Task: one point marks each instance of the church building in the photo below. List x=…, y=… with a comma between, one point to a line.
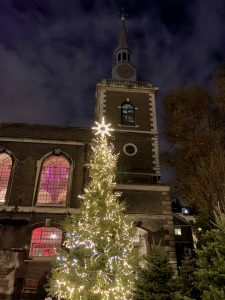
x=43, y=171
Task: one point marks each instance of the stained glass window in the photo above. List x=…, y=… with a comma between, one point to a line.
x=45, y=240
x=127, y=114
x=54, y=179
x=5, y=171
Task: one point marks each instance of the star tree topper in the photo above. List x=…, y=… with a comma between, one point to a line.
x=102, y=129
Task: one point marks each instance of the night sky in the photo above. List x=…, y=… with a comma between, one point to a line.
x=52, y=52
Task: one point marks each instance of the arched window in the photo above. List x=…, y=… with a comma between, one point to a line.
x=5, y=171
x=54, y=181
x=127, y=114
x=45, y=240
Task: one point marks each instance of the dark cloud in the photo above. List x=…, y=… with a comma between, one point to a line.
x=176, y=16
x=53, y=52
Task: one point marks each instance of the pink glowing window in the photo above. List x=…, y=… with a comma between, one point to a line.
x=54, y=181
x=45, y=240
x=5, y=171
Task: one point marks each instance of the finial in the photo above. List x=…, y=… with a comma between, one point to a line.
x=122, y=14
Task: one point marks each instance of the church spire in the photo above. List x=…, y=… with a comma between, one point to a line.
x=123, y=69
x=122, y=41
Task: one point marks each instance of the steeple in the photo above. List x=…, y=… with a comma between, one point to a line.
x=123, y=69
x=122, y=41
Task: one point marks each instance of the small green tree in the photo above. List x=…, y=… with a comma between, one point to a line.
x=186, y=280
x=99, y=256
x=210, y=261
x=154, y=280
x=201, y=225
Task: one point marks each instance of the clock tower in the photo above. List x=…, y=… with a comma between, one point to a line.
x=123, y=69
x=129, y=106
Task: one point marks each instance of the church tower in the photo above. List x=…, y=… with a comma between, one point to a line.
x=129, y=106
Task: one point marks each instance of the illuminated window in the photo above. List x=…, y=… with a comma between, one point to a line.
x=127, y=114
x=45, y=240
x=5, y=171
x=177, y=231
x=54, y=180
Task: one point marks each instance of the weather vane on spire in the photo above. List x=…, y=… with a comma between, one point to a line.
x=122, y=14
x=102, y=129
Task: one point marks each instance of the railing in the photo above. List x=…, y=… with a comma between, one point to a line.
x=136, y=178
x=127, y=83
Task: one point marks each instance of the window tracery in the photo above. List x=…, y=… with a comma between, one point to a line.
x=44, y=241
x=127, y=114
x=54, y=181
x=5, y=172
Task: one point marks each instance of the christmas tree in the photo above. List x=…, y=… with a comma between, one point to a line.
x=99, y=255
x=186, y=281
x=155, y=279
x=210, y=261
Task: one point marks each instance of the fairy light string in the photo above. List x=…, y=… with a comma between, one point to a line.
x=98, y=257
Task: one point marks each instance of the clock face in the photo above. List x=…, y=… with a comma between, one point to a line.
x=125, y=71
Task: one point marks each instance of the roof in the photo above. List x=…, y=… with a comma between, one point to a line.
x=41, y=131
x=122, y=42
x=180, y=220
